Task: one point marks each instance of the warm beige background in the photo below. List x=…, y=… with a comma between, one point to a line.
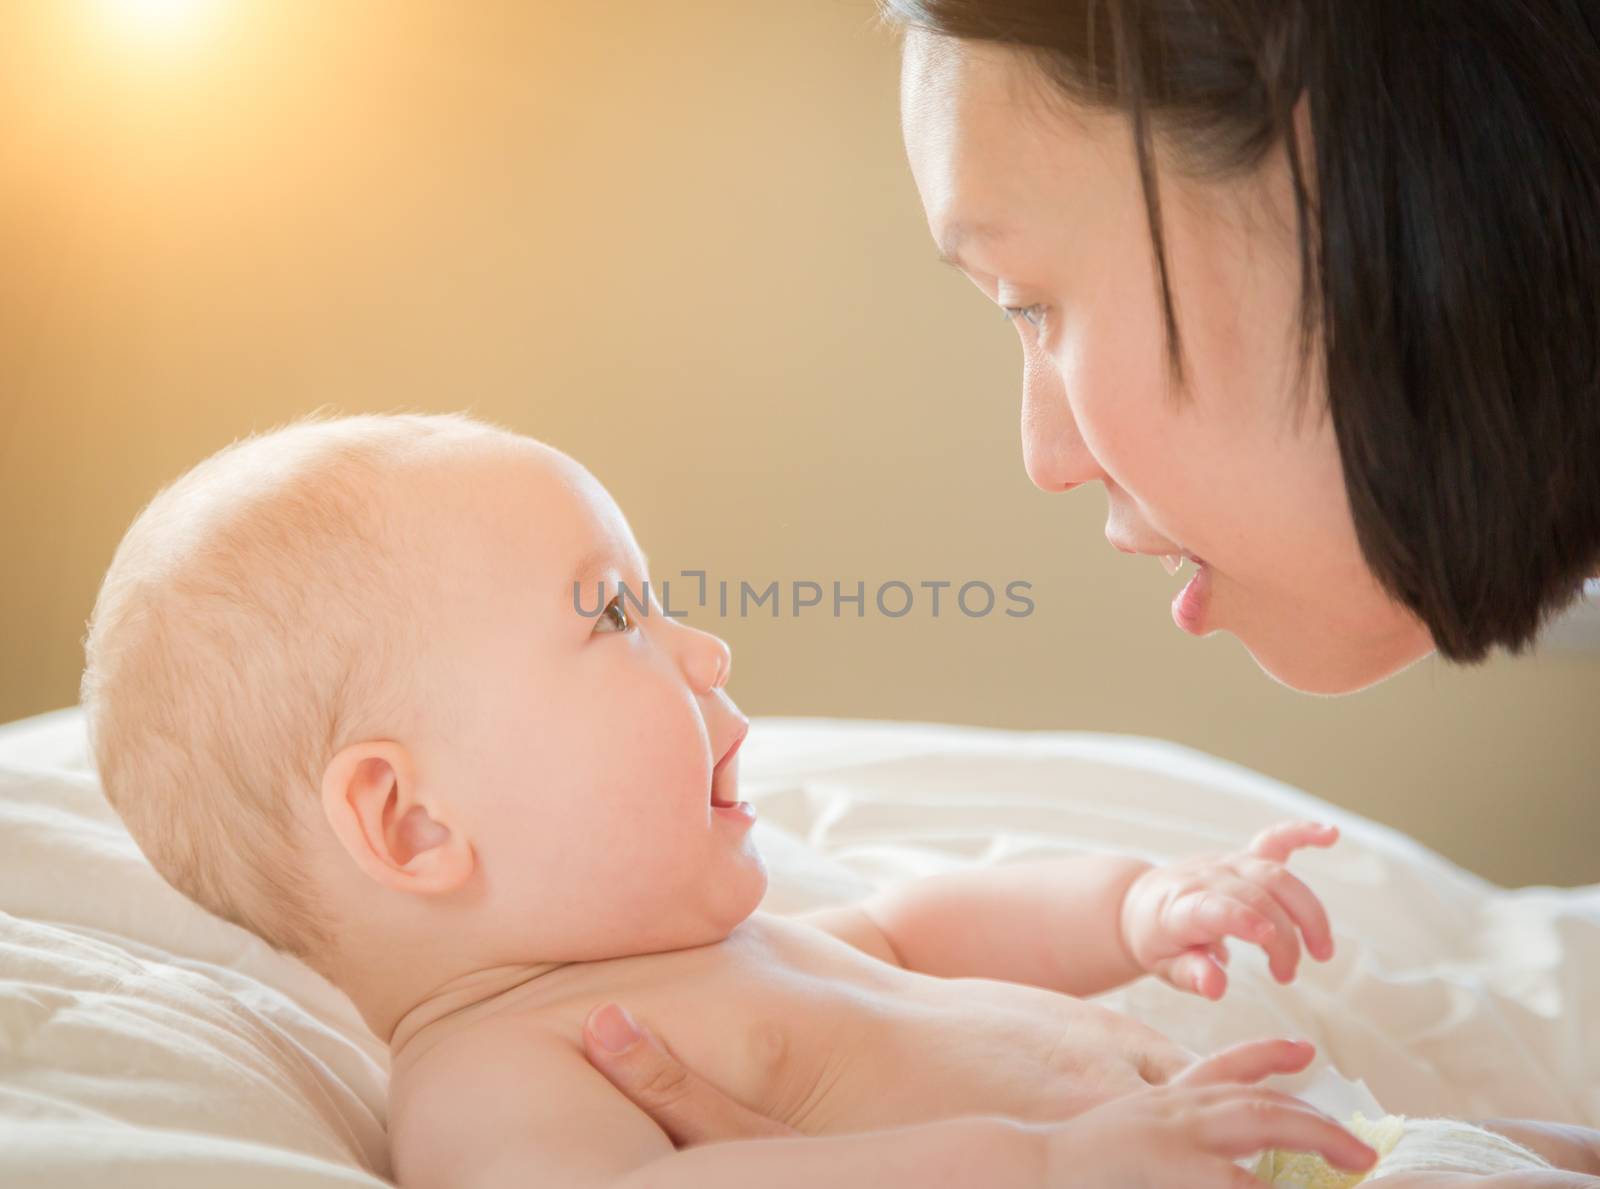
x=679, y=241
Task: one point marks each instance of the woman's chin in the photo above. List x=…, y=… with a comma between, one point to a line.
x=1330, y=663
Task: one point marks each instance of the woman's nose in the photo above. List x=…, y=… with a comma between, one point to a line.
x=1053, y=453
x=706, y=659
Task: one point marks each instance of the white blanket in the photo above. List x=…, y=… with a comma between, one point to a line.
x=138, y=1034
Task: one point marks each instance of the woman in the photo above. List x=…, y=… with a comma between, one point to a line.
x=1327, y=322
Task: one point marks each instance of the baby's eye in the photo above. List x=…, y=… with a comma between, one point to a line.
x=614, y=618
x=1033, y=315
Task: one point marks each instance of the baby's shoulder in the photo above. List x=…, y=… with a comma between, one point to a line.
x=451, y=1047
x=502, y=1092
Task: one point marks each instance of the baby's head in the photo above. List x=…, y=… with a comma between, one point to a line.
x=341, y=689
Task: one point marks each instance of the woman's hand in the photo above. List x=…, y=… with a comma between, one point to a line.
x=1193, y=1130
x=1189, y=1131
x=1174, y=918
x=690, y=1110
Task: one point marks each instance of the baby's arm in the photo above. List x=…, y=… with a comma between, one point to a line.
x=1052, y=923
x=506, y=1104
x=1084, y=925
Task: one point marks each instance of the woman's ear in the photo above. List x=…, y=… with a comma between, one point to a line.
x=398, y=837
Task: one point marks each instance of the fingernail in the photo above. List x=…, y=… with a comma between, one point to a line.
x=614, y=1029
x=1367, y=1161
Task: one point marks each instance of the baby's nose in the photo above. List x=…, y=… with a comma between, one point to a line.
x=709, y=662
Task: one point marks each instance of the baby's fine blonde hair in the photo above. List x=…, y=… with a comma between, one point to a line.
x=258, y=615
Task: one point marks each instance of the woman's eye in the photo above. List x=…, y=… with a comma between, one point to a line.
x=614, y=618
x=1033, y=315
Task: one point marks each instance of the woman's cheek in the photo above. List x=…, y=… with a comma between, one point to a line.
x=1096, y=413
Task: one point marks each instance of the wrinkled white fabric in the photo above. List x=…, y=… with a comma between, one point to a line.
x=1449, y=1145
x=1404, y=1144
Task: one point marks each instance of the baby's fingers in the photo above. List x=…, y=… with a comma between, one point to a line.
x=1282, y=840
x=1204, y=917
x=1299, y=901
x=1197, y=970
x=1279, y=938
x=1256, y=1120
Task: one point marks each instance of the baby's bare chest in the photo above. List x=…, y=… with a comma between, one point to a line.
x=810, y=1032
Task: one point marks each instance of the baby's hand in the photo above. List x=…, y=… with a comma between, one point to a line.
x=1174, y=918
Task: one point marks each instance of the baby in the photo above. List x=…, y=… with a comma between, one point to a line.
x=349, y=684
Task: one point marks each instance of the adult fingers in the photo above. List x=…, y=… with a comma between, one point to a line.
x=688, y=1108
x=1258, y=1120
x=1249, y=1062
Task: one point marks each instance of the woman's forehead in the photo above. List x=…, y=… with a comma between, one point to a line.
x=977, y=86
x=991, y=156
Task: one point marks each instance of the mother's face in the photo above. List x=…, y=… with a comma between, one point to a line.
x=1041, y=207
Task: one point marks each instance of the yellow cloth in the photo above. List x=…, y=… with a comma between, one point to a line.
x=1305, y=1170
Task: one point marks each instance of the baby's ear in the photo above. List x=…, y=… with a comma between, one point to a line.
x=398, y=837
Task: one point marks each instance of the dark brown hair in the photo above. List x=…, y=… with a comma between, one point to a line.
x=1449, y=232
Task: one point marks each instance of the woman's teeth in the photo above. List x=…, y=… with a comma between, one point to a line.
x=1173, y=562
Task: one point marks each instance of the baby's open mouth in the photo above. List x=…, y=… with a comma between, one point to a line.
x=725, y=776
x=724, y=785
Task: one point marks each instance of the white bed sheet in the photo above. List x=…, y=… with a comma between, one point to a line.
x=138, y=1034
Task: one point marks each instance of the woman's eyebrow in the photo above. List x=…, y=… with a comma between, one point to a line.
x=960, y=231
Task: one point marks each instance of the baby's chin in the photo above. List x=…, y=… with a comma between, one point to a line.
x=714, y=912
x=665, y=926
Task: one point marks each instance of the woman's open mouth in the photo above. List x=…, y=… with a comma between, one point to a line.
x=1190, y=605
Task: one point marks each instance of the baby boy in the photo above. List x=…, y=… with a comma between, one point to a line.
x=343, y=690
